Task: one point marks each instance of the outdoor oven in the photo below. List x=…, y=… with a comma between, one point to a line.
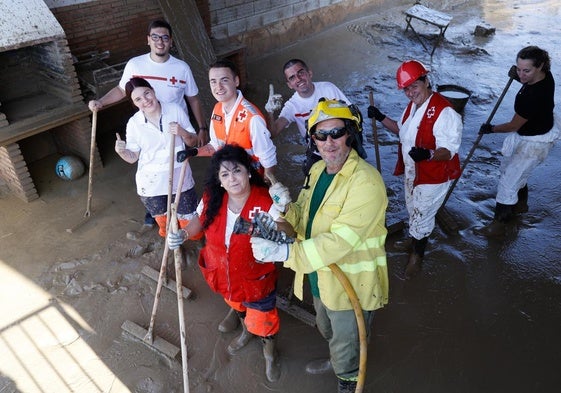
x=42, y=111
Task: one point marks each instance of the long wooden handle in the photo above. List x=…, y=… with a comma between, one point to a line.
x=92, y=161
x=375, y=134
x=476, y=143
x=178, y=261
x=162, y=276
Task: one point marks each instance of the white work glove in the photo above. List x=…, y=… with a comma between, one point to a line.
x=280, y=195
x=176, y=239
x=274, y=102
x=120, y=145
x=268, y=251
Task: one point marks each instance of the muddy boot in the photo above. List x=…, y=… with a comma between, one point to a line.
x=346, y=386
x=415, y=262
x=522, y=204
x=137, y=251
x=240, y=341
x=503, y=213
x=494, y=229
x=320, y=366
x=403, y=245
x=230, y=322
x=136, y=235
x=272, y=367
x=414, y=265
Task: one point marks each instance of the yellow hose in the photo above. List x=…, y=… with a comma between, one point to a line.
x=359, y=321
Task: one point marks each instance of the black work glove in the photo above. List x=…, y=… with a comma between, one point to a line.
x=375, y=113
x=486, y=128
x=185, y=154
x=512, y=73
x=419, y=154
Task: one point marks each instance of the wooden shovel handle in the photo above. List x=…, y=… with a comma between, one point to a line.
x=375, y=134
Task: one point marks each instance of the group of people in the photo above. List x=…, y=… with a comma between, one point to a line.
x=339, y=215
x=430, y=132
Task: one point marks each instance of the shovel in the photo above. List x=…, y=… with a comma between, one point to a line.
x=375, y=134
x=442, y=216
x=87, y=213
x=399, y=225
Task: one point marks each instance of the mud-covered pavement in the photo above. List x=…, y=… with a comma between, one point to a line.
x=483, y=316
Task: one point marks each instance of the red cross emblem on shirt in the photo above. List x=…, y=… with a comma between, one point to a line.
x=242, y=115
x=430, y=112
x=254, y=211
x=173, y=80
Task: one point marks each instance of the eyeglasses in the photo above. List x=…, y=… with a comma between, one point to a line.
x=334, y=133
x=156, y=37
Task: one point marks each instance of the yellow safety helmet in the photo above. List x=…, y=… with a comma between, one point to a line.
x=332, y=109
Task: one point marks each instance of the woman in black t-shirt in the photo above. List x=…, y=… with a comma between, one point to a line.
x=532, y=133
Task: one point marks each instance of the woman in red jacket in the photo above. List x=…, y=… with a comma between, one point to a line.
x=234, y=189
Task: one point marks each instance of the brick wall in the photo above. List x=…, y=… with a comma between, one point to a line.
x=233, y=17
x=56, y=70
x=262, y=25
x=115, y=25
x=267, y=25
x=14, y=173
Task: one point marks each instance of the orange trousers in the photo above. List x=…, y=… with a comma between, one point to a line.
x=259, y=323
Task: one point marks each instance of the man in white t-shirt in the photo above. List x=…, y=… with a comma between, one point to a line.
x=170, y=77
x=298, y=108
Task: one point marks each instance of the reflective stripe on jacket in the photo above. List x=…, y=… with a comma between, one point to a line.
x=349, y=230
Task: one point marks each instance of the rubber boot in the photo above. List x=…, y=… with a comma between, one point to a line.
x=272, y=367
x=320, y=366
x=230, y=322
x=493, y=229
x=403, y=245
x=415, y=262
x=149, y=223
x=522, y=204
x=346, y=386
x=497, y=227
x=240, y=341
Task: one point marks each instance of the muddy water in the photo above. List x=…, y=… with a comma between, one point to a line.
x=483, y=316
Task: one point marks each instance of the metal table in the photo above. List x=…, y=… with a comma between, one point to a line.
x=430, y=16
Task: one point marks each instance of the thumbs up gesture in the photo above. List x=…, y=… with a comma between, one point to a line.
x=120, y=145
x=274, y=102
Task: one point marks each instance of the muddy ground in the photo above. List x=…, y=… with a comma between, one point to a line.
x=483, y=316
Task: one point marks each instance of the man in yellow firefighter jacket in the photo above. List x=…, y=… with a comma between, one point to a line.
x=339, y=218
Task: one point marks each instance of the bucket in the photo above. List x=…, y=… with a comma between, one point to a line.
x=457, y=95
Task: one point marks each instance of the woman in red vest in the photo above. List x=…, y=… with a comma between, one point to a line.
x=430, y=132
x=235, y=189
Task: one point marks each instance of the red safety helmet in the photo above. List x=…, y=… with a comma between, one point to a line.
x=409, y=72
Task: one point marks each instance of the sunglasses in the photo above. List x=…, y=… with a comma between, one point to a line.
x=156, y=37
x=334, y=133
